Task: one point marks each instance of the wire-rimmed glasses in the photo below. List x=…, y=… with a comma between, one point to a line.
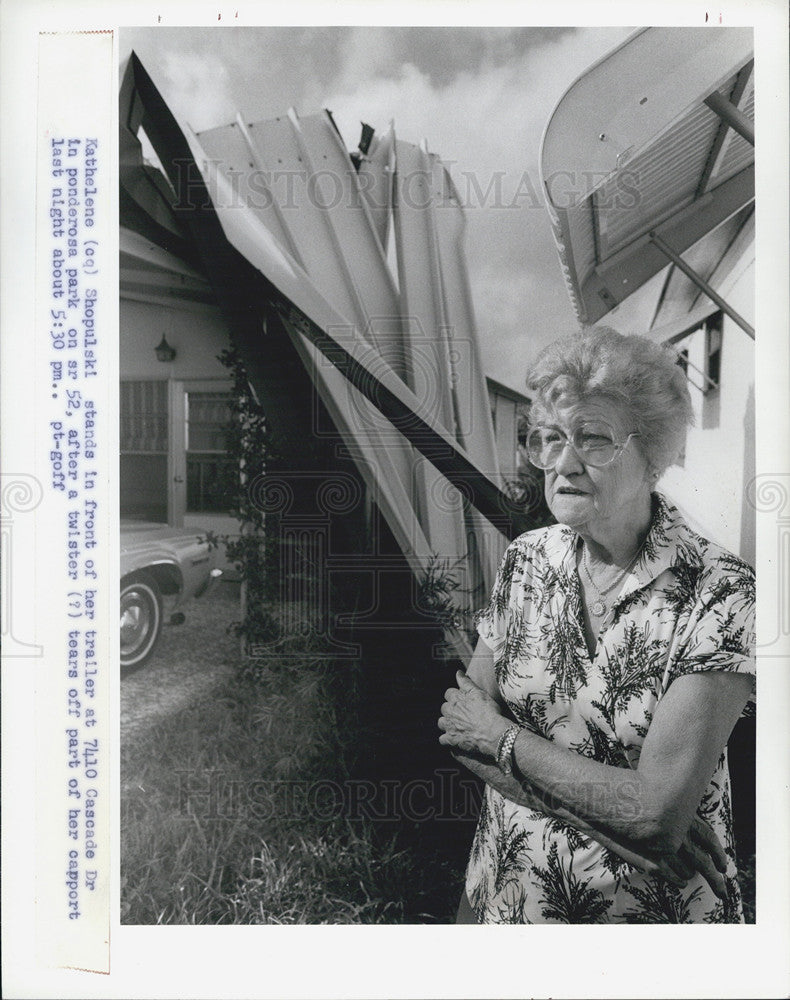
x=594, y=442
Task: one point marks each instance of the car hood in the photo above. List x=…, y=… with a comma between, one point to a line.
x=147, y=530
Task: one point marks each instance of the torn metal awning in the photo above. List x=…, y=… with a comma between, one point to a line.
x=146, y=269
x=288, y=196
x=291, y=240
x=640, y=161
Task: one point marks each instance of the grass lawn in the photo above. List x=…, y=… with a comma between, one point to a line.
x=219, y=825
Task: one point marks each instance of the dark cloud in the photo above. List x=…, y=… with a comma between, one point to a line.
x=279, y=60
x=442, y=53
x=268, y=69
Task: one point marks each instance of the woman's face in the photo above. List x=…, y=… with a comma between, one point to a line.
x=597, y=499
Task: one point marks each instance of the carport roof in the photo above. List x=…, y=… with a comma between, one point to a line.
x=633, y=149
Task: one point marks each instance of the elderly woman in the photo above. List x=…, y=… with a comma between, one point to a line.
x=613, y=660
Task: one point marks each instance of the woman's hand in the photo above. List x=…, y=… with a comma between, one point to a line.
x=471, y=719
x=701, y=851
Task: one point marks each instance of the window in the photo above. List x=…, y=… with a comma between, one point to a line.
x=713, y=350
x=143, y=407
x=212, y=476
x=143, y=446
x=703, y=344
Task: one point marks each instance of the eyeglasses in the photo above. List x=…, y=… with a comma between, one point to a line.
x=594, y=442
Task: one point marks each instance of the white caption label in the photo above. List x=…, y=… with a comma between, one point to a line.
x=73, y=341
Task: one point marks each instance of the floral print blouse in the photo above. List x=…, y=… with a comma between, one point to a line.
x=687, y=605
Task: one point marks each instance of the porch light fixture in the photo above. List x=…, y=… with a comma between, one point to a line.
x=164, y=352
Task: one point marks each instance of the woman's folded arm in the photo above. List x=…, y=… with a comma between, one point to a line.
x=646, y=815
x=699, y=851
x=652, y=806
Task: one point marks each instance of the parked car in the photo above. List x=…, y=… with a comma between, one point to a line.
x=158, y=561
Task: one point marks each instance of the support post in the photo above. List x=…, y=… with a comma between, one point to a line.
x=732, y=115
x=700, y=282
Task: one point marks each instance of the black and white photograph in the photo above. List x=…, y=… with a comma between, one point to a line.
x=430, y=597
x=413, y=386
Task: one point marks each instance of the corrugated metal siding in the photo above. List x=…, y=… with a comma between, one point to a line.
x=661, y=180
x=666, y=176
x=427, y=327
x=297, y=178
x=467, y=381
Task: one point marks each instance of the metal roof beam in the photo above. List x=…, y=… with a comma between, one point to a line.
x=724, y=135
x=700, y=282
x=732, y=115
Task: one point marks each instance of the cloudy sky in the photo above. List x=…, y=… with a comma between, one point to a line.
x=479, y=96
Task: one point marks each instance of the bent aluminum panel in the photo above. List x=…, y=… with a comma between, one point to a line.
x=468, y=385
x=427, y=327
x=353, y=237
x=249, y=176
x=471, y=400
x=423, y=490
x=371, y=428
x=376, y=173
x=289, y=291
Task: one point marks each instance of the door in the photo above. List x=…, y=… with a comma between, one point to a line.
x=175, y=465
x=205, y=474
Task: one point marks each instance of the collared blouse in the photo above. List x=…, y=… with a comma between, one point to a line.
x=687, y=605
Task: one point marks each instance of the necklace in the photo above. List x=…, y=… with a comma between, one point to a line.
x=599, y=606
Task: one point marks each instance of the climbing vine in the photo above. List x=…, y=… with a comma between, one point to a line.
x=252, y=550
